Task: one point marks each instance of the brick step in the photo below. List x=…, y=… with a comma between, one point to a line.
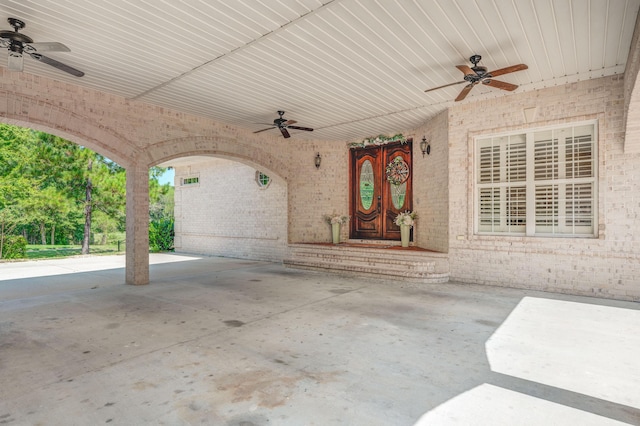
x=410, y=265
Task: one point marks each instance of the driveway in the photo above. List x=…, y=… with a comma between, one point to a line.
x=223, y=341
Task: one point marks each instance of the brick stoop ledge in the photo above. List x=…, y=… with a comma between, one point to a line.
x=376, y=260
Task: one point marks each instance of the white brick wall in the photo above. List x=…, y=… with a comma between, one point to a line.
x=137, y=134
x=314, y=193
x=430, y=185
x=228, y=214
x=606, y=266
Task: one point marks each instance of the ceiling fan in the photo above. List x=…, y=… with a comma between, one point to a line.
x=17, y=44
x=478, y=74
x=283, y=125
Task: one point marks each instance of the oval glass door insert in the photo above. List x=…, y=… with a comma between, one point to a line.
x=398, y=193
x=366, y=184
x=399, y=190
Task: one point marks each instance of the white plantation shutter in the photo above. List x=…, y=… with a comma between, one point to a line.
x=546, y=158
x=489, y=209
x=516, y=208
x=489, y=164
x=516, y=161
x=579, y=208
x=579, y=157
x=546, y=208
x=502, y=169
x=560, y=187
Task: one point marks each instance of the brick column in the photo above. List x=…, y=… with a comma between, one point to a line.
x=137, y=257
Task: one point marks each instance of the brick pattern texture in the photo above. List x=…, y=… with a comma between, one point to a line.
x=139, y=135
x=228, y=214
x=607, y=266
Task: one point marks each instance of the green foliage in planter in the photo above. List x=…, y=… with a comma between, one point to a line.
x=161, y=235
x=14, y=247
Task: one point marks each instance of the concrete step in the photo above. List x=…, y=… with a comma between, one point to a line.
x=378, y=260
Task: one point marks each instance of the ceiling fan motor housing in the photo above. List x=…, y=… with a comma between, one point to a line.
x=16, y=23
x=279, y=122
x=475, y=59
x=480, y=71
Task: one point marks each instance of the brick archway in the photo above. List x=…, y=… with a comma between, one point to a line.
x=45, y=116
x=135, y=135
x=243, y=151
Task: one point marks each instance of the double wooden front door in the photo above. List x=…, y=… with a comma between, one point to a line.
x=375, y=201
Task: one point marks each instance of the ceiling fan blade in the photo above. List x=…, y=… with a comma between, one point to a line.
x=465, y=91
x=284, y=132
x=465, y=69
x=50, y=46
x=15, y=62
x=56, y=64
x=446, y=85
x=506, y=70
x=268, y=128
x=286, y=123
x=500, y=84
x=306, y=129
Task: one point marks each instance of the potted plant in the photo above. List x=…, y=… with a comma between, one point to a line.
x=335, y=220
x=405, y=221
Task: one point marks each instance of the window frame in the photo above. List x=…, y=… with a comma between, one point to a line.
x=259, y=180
x=533, y=183
x=190, y=181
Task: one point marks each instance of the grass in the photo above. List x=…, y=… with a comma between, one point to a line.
x=49, y=251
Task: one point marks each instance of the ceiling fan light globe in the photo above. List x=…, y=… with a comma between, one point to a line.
x=15, y=62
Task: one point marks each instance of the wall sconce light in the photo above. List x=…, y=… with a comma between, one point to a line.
x=318, y=160
x=425, y=146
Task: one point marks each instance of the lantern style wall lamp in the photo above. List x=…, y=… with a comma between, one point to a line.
x=425, y=146
x=318, y=160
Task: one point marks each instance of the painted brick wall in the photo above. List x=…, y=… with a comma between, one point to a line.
x=431, y=185
x=314, y=193
x=134, y=133
x=631, y=96
x=606, y=266
x=228, y=214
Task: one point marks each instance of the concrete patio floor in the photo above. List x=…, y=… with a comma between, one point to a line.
x=221, y=341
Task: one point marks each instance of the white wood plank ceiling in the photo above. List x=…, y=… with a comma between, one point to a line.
x=348, y=68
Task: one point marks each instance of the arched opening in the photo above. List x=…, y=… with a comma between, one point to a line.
x=59, y=196
x=125, y=133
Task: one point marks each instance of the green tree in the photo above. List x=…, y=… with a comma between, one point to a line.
x=47, y=183
x=51, y=188
x=14, y=194
x=161, y=200
x=15, y=188
x=91, y=181
x=161, y=205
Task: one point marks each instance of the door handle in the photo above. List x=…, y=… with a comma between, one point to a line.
x=379, y=204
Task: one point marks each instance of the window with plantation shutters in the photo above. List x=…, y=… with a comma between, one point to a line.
x=538, y=183
x=502, y=173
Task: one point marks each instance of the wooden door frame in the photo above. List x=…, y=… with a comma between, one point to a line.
x=387, y=226
x=354, y=196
